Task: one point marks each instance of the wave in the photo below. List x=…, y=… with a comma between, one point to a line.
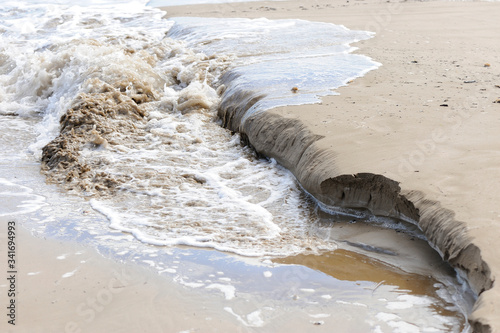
x=127, y=106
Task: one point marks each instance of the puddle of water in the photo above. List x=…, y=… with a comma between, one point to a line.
x=385, y=293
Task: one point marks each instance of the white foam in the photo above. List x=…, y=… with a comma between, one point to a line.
x=278, y=55
x=193, y=284
x=403, y=327
x=48, y=65
x=253, y=319
x=228, y=200
x=408, y=301
x=17, y=199
x=87, y=3
x=228, y=290
x=69, y=274
x=320, y=315
x=351, y=303
x=307, y=290
x=384, y=316
x=151, y=263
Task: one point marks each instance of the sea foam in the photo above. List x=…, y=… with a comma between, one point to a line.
x=290, y=62
x=127, y=100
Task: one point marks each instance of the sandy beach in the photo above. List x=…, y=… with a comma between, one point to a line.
x=426, y=119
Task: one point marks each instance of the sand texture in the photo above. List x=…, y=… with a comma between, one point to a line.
x=416, y=138
x=68, y=287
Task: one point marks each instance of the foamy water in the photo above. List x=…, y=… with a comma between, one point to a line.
x=140, y=137
x=289, y=62
x=120, y=106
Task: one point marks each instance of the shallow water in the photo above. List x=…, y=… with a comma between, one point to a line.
x=122, y=116
x=127, y=104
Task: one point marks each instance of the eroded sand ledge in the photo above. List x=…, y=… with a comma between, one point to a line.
x=294, y=146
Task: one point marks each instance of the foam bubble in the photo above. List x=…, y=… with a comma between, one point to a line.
x=228, y=290
x=253, y=319
x=320, y=315
x=408, y=301
x=307, y=290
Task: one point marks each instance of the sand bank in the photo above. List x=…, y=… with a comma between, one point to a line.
x=417, y=138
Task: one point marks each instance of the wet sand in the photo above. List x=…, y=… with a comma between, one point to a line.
x=67, y=287
x=426, y=118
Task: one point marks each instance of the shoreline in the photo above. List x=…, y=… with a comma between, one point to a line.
x=438, y=74
x=64, y=286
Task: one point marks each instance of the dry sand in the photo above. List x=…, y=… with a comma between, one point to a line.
x=426, y=119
